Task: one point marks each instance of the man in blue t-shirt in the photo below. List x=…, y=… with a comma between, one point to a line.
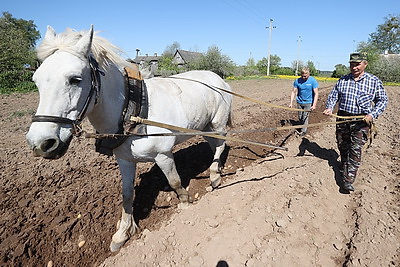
x=306, y=89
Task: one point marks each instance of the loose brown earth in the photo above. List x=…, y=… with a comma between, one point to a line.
x=273, y=209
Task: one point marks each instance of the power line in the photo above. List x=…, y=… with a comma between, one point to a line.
x=240, y=11
x=249, y=7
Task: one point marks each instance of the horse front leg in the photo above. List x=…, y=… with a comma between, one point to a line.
x=167, y=164
x=127, y=226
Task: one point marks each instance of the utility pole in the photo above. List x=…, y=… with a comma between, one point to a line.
x=298, y=55
x=269, y=44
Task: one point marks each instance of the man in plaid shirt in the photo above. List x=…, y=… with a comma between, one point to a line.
x=358, y=93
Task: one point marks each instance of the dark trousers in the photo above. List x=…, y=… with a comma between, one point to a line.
x=351, y=137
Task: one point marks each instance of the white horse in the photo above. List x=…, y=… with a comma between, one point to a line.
x=72, y=86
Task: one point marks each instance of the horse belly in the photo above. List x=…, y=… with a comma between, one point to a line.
x=144, y=149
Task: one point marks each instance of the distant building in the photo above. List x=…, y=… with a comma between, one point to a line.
x=150, y=63
x=388, y=56
x=325, y=73
x=146, y=61
x=183, y=57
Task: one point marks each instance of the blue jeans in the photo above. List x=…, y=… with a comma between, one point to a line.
x=303, y=116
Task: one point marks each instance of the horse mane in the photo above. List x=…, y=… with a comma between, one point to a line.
x=103, y=51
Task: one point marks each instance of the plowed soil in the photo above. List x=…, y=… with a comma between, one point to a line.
x=274, y=208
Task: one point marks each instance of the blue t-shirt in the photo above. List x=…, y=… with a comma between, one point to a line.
x=305, y=90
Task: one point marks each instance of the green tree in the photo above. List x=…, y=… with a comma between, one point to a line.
x=387, y=69
x=372, y=53
x=250, y=68
x=312, y=68
x=284, y=71
x=385, y=39
x=340, y=70
x=387, y=35
x=274, y=64
x=251, y=63
x=215, y=61
x=166, y=66
x=28, y=27
x=262, y=65
x=297, y=65
x=17, y=40
x=171, y=49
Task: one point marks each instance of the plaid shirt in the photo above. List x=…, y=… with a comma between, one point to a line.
x=356, y=97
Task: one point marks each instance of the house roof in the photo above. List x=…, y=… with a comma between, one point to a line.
x=187, y=56
x=391, y=56
x=146, y=58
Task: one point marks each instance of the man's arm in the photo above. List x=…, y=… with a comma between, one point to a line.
x=381, y=100
x=314, y=104
x=292, y=96
x=331, y=101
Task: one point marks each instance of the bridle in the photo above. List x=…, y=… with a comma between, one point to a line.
x=95, y=73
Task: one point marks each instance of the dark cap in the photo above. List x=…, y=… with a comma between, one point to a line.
x=357, y=57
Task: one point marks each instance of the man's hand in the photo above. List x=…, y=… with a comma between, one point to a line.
x=328, y=112
x=368, y=119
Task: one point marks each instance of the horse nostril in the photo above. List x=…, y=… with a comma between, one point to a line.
x=48, y=144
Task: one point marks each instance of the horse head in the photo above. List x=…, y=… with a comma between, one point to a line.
x=66, y=86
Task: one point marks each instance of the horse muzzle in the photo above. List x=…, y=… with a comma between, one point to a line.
x=44, y=140
x=49, y=148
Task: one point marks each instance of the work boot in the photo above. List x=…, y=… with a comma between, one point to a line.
x=348, y=186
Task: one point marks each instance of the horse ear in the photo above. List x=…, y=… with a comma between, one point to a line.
x=50, y=33
x=84, y=44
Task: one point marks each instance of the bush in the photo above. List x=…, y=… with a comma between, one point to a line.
x=214, y=61
x=340, y=70
x=16, y=81
x=284, y=71
x=387, y=69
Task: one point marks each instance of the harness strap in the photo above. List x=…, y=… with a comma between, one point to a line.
x=181, y=129
x=54, y=119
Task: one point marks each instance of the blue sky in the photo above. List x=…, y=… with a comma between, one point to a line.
x=328, y=30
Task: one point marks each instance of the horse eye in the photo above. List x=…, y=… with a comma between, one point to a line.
x=75, y=80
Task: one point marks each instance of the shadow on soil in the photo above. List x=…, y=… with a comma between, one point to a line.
x=329, y=155
x=191, y=163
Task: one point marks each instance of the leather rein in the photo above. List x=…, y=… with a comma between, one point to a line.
x=95, y=73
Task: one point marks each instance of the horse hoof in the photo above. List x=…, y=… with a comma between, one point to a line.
x=183, y=205
x=185, y=198
x=116, y=246
x=216, y=183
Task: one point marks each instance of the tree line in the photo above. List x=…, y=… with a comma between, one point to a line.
x=213, y=59
x=18, y=60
